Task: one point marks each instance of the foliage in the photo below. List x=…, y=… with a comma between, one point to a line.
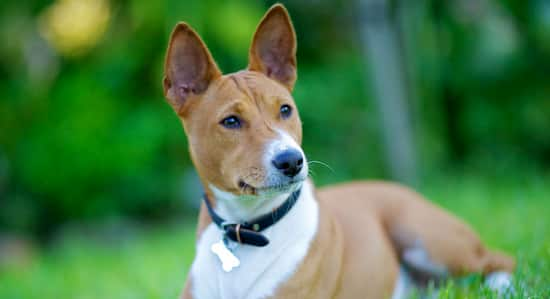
x=85, y=134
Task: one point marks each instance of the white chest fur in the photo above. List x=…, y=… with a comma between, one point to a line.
x=262, y=269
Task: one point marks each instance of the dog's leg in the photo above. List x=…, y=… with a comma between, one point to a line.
x=435, y=243
x=204, y=221
x=187, y=290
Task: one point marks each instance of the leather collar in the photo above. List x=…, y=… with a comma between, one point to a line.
x=249, y=232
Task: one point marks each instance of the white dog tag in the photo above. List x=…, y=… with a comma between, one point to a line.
x=227, y=258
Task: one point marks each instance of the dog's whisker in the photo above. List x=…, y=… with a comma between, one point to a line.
x=322, y=164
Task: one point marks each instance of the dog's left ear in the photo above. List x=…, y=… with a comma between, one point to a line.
x=273, y=50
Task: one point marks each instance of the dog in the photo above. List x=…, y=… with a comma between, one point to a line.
x=263, y=230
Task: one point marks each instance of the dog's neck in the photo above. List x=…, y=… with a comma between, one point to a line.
x=234, y=208
x=262, y=269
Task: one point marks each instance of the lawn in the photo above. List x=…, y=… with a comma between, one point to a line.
x=511, y=214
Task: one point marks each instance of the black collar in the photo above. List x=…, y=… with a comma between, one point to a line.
x=249, y=232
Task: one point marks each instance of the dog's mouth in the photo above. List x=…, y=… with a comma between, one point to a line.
x=289, y=186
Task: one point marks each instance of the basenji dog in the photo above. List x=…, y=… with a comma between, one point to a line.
x=264, y=231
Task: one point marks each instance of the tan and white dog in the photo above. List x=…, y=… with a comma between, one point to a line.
x=355, y=240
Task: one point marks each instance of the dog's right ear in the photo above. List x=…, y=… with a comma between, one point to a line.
x=189, y=68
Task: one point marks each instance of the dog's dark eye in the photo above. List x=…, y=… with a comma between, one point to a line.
x=231, y=122
x=286, y=111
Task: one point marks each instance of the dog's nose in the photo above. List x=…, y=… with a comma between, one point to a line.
x=289, y=162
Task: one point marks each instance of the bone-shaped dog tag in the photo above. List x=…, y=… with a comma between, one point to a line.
x=227, y=258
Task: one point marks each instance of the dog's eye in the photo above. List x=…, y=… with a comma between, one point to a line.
x=231, y=122
x=286, y=111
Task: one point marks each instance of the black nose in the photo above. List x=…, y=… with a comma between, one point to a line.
x=289, y=162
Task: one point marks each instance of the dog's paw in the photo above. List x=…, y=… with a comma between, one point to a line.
x=500, y=282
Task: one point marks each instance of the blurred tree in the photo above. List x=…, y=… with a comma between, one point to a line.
x=85, y=135
x=385, y=58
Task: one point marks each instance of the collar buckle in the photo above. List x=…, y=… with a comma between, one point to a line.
x=248, y=232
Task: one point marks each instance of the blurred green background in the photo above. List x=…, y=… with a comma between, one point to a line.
x=96, y=185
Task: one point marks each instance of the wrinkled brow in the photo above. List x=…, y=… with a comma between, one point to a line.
x=234, y=106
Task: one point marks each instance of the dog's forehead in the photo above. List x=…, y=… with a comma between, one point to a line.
x=248, y=86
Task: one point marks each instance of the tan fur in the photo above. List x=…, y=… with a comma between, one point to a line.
x=367, y=234
x=364, y=227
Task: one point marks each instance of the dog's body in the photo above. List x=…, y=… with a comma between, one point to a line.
x=346, y=241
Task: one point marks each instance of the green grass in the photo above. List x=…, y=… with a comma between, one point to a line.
x=151, y=264
x=510, y=214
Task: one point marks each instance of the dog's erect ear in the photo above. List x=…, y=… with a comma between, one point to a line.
x=273, y=50
x=189, y=67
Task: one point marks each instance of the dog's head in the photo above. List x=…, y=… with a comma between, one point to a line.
x=243, y=128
